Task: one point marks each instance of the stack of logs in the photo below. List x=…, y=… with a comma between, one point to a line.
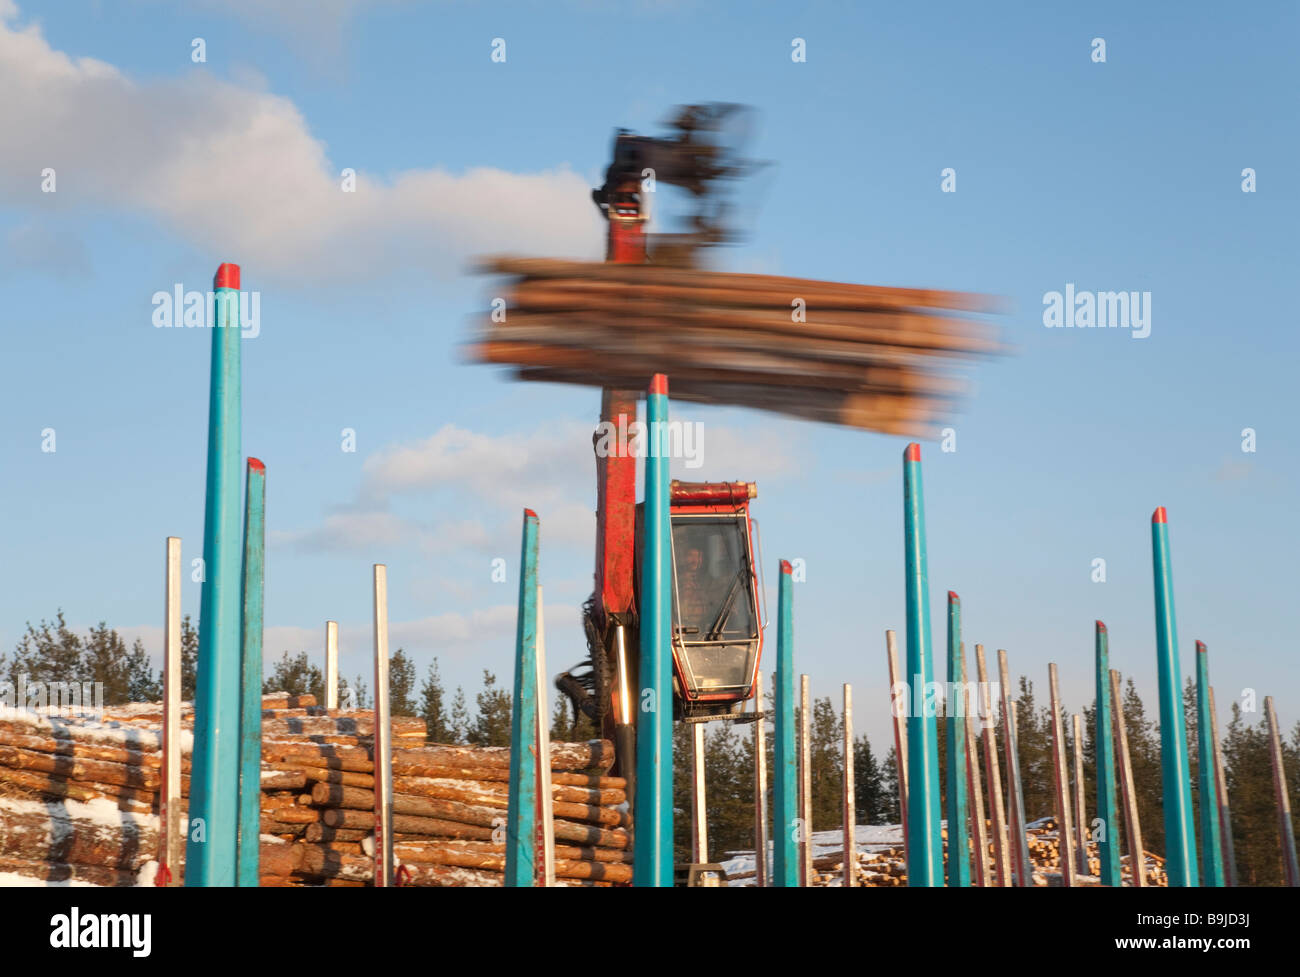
x=886, y=866
x=1044, y=852
x=79, y=800
x=861, y=355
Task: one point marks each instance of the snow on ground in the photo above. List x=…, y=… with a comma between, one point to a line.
x=10, y=879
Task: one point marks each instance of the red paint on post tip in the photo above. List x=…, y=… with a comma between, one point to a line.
x=1159, y=515
x=529, y=514
x=255, y=465
x=912, y=452
x=659, y=384
x=785, y=567
x=1200, y=648
x=1101, y=626
x=952, y=595
x=227, y=276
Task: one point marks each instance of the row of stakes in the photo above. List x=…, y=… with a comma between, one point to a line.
x=222, y=835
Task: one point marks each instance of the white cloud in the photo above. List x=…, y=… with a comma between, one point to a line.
x=238, y=173
x=550, y=470
x=348, y=531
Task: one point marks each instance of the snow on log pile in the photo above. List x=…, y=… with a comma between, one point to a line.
x=79, y=800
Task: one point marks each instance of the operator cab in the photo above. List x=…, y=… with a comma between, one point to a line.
x=717, y=635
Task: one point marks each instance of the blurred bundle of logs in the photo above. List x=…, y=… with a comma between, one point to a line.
x=79, y=800
x=860, y=355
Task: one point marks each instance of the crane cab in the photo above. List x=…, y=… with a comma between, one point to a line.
x=717, y=629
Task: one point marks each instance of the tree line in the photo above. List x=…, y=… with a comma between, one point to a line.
x=51, y=652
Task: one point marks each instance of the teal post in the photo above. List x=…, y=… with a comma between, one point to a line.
x=785, y=807
x=1107, y=809
x=250, y=720
x=653, y=818
x=1211, y=850
x=212, y=832
x=925, y=841
x=955, y=729
x=521, y=808
x=1180, y=835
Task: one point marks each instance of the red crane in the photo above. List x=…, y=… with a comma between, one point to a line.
x=717, y=633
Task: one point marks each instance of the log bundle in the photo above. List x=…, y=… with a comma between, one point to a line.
x=865, y=356
x=79, y=800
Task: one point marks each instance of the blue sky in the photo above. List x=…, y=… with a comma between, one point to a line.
x=1123, y=175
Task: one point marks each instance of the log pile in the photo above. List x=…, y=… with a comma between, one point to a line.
x=860, y=355
x=885, y=866
x=1045, y=854
x=79, y=800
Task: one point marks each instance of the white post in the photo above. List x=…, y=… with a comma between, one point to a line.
x=545, y=798
x=169, y=804
x=850, y=802
x=900, y=728
x=699, y=811
x=760, y=793
x=1017, y=838
x=974, y=784
x=993, y=774
x=1080, y=831
x=1225, y=812
x=331, y=665
x=1061, y=776
x=383, y=760
x=805, y=784
x=1137, y=857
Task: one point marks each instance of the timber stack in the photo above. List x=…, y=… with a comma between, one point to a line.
x=865, y=356
x=885, y=865
x=79, y=800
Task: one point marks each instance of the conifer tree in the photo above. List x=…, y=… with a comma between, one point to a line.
x=492, y=724
x=432, y=707
x=401, y=684
x=297, y=676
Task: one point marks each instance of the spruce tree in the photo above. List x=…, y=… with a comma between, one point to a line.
x=870, y=800
x=401, y=684
x=459, y=717
x=1249, y=775
x=892, y=813
x=297, y=676
x=492, y=724
x=432, y=707
x=189, y=659
x=826, y=761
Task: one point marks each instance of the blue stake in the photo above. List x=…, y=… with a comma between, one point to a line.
x=212, y=832
x=1212, y=850
x=653, y=821
x=521, y=813
x=250, y=720
x=1180, y=834
x=925, y=841
x=1107, y=809
x=785, y=807
x=958, y=845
